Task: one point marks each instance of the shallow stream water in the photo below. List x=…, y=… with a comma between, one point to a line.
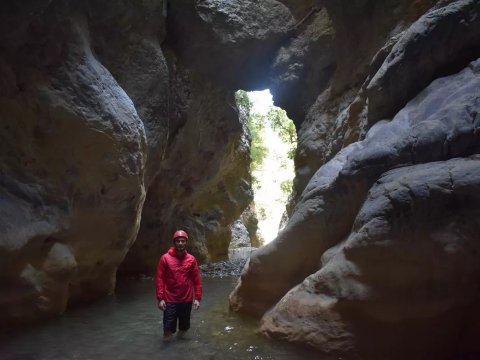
x=129, y=326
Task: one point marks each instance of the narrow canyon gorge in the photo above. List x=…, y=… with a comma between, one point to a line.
x=119, y=125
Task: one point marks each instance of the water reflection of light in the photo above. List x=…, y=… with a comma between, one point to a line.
x=229, y=328
x=130, y=321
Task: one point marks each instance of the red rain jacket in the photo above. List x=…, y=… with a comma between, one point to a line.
x=177, y=277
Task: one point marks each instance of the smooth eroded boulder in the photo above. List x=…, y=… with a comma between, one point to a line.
x=407, y=269
x=72, y=168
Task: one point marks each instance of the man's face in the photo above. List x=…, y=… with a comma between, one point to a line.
x=180, y=244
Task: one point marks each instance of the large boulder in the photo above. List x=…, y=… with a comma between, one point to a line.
x=400, y=285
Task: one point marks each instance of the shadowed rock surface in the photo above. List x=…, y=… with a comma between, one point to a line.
x=364, y=271
x=112, y=137
x=118, y=125
x=72, y=167
x=403, y=273
x=203, y=182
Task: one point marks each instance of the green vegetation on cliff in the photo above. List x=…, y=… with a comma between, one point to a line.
x=273, y=145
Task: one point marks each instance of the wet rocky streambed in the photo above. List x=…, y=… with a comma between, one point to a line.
x=128, y=325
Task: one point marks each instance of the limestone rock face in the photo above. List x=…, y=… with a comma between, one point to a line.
x=116, y=122
x=302, y=9
x=73, y=153
x=126, y=38
x=231, y=42
x=415, y=60
x=101, y=101
x=404, y=272
x=203, y=181
x=244, y=236
x=305, y=65
x=381, y=238
x=250, y=220
x=338, y=115
x=240, y=236
x=118, y=125
x=240, y=245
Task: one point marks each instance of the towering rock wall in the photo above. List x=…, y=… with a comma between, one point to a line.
x=118, y=125
x=73, y=157
x=379, y=257
x=214, y=48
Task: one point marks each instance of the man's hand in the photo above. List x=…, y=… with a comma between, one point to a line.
x=196, y=304
x=162, y=305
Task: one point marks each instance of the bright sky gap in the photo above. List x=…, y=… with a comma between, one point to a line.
x=269, y=198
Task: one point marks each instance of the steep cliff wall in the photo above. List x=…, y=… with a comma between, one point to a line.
x=214, y=48
x=119, y=125
x=382, y=233
x=73, y=160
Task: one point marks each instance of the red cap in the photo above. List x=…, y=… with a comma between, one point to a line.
x=180, y=233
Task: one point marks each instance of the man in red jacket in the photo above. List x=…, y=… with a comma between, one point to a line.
x=178, y=281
